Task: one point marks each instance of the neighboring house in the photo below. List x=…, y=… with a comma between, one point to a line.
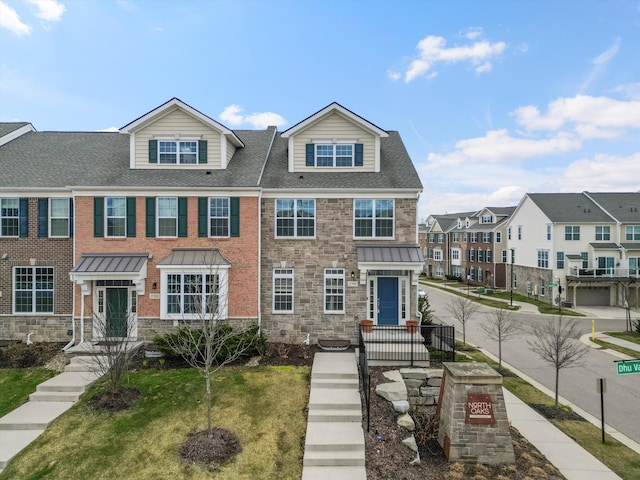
x=583, y=248
x=304, y=231
x=487, y=237
x=437, y=258
x=339, y=228
x=36, y=244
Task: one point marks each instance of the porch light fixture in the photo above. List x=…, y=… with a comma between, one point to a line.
x=154, y=285
x=353, y=274
x=5, y=256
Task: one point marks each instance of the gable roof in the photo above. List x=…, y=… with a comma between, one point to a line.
x=500, y=210
x=396, y=171
x=101, y=159
x=331, y=108
x=569, y=208
x=172, y=105
x=12, y=130
x=623, y=206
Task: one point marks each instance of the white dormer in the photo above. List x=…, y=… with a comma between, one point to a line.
x=334, y=139
x=175, y=135
x=467, y=223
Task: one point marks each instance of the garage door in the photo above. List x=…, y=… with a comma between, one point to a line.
x=594, y=296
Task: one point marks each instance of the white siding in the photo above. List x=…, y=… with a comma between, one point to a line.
x=177, y=122
x=334, y=126
x=534, y=235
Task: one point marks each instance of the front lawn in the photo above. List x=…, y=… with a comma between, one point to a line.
x=263, y=406
x=16, y=384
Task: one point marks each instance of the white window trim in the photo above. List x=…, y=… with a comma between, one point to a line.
x=107, y=217
x=33, y=290
x=209, y=217
x=498, y=237
x=12, y=217
x=132, y=310
x=278, y=274
x=223, y=293
x=437, y=255
x=333, y=144
x=158, y=217
x=178, y=141
x=295, y=219
x=339, y=276
x=51, y=217
x=374, y=219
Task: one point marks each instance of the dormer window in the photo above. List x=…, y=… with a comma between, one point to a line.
x=177, y=152
x=334, y=155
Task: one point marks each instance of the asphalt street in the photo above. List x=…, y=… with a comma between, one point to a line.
x=577, y=384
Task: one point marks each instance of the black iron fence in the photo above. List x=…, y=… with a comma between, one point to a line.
x=414, y=346
x=365, y=376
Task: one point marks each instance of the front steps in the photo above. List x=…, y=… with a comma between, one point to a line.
x=50, y=400
x=334, y=445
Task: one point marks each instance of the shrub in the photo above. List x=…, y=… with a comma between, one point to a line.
x=257, y=344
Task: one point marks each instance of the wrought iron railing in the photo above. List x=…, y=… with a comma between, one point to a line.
x=365, y=376
x=412, y=345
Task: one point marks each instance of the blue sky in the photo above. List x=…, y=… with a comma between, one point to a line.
x=493, y=99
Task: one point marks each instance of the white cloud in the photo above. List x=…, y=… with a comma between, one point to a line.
x=599, y=63
x=232, y=115
x=602, y=173
x=497, y=146
x=49, y=10
x=630, y=90
x=393, y=75
x=10, y=20
x=473, y=33
x=433, y=50
x=600, y=112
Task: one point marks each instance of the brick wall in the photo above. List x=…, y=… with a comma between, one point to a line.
x=241, y=252
x=34, y=251
x=333, y=243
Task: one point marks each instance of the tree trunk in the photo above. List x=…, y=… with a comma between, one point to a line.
x=557, y=378
x=208, y=381
x=499, y=356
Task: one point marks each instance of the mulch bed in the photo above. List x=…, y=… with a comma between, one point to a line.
x=114, y=402
x=211, y=451
x=21, y=355
x=387, y=457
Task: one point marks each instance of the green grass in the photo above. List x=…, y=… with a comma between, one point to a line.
x=461, y=290
x=615, y=455
x=17, y=383
x=263, y=406
x=617, y=348
x=628, y=336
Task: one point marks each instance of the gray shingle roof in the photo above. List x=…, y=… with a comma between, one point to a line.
x=624, y=206
x=396, y=171
x=8, y=127
x=569, y=208
x=88, y=159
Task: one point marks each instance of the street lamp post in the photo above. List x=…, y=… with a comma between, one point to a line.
x=512, y=255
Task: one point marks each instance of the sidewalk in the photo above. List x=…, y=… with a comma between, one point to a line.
x=574, y=462
x=586, y=339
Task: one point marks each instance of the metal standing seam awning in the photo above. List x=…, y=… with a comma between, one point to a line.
x=110, y=266
x=201, y=257
x=389, y=257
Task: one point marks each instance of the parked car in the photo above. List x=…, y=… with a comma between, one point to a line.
x=421, y=292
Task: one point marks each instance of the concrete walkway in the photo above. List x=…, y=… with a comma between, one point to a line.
x=574, y=462
x=50, y=400
x=334, y=444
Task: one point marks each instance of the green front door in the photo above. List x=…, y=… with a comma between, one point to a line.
x=117, y=310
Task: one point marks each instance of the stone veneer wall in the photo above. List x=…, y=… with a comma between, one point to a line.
x=50, y=328
x=309, y=257
x=465, y=442
x=423, y=387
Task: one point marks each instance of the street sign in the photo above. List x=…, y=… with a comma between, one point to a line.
x=551, y=285
x=629, y=366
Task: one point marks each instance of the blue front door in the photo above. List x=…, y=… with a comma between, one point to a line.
x=387, y=301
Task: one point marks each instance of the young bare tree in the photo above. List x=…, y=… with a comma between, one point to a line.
x=556, y=343
x=205, y=339
x=500, y=326
x=113, y=327
x=463, y=310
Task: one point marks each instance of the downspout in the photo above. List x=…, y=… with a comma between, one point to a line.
x=73, y=293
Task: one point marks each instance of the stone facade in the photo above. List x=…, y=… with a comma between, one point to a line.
x=488, y=443
x=332, y=247
x=529, y=279
x=423, y=387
